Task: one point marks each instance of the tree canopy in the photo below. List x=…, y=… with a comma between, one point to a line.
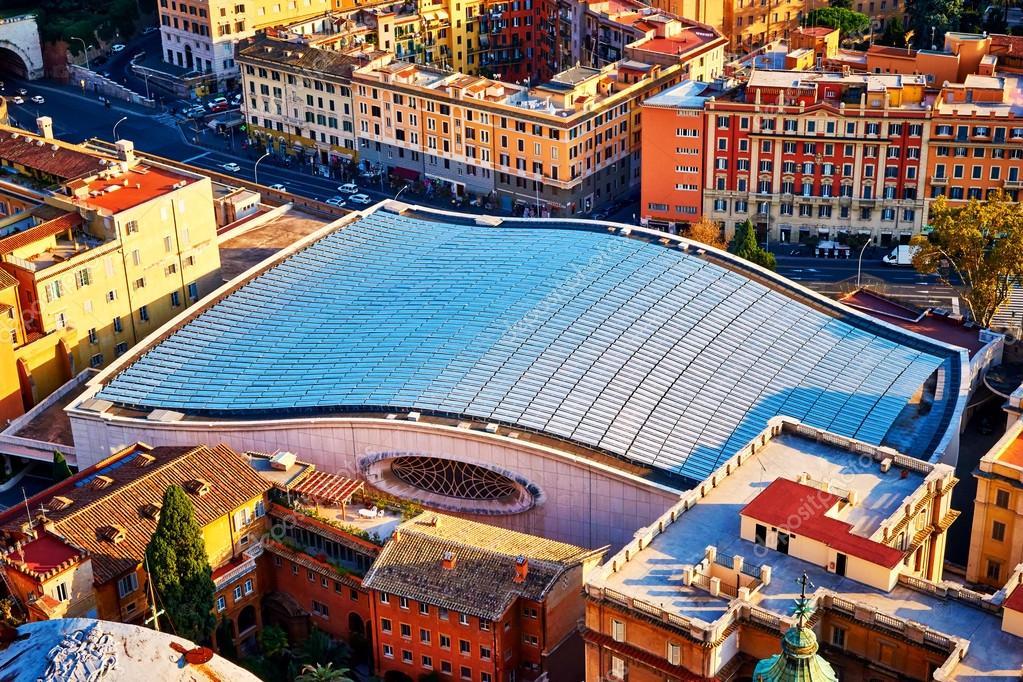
x=849, y=22
x=180, y=569
x=894, y=34
x=939, y=15
x=61, y=470
x=706, y=231
x=744, y=244
x=976, y=249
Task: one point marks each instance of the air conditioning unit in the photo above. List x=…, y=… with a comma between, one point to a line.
x=886, y=465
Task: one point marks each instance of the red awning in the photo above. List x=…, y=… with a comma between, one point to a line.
x=406, y=173
x=329, y=489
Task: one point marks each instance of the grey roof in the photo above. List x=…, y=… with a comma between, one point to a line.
x=626, y=346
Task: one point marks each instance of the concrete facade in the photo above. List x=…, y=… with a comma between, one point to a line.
x=20, y=35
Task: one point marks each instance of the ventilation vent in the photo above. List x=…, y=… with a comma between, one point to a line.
x=112, y=533
x=59, y=502
x=150, y=511
x=101, y=482
x=144, y=459
x=197, y=486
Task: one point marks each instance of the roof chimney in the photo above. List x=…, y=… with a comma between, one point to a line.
x=45, y=126
x=125, y=151
x=521, y=569
x=449, y=561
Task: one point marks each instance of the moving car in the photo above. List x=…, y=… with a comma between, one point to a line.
x=348, y=188
x=218, y=104
x=116, y=47
x=901, y=255
x=336, y=201
x=18, y=100
x=279, y=187
x=39, y=99
x=362, y=199
x=22, y=91
x=231, y=166
x=236, y=100
x=150, y=29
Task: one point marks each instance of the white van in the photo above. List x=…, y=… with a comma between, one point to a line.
x=348, y=188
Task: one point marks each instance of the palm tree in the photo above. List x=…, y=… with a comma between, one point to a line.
x=323, y=673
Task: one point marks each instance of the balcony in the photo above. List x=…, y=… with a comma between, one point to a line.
x=237, y=567
x=1013, y=184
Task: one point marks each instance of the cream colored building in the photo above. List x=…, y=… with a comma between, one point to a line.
x=996, y=539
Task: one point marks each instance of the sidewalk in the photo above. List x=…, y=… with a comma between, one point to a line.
x=76, y=92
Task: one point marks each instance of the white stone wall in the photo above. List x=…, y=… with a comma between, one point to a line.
x=586, y=503
x=20, y=34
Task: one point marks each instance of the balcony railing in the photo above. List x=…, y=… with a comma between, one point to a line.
x=247, y=566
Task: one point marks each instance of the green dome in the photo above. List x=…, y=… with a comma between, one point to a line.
x=797, y=662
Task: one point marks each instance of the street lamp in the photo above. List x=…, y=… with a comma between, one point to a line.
x=85, y=50
x=400, y=191
x=255, y=168
x=859, y=261
x=122, y=120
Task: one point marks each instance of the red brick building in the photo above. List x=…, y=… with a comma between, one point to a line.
x=476, y=602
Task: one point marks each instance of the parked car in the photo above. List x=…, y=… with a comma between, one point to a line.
x=117, y=47
x=22, y=91
x=231, y=166
x=18, y=99
x=279, y=187
x=362, y=199
x=336, y=201
x=39, y=99
x=348, y=188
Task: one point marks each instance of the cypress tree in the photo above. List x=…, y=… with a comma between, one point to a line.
x=180, y=568
x=744, y=244
x=60, y=468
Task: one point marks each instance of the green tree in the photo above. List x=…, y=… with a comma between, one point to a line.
x=61, y=470
x=323, y=673
x=894, y=34
x=976, y=249
x=841, y=4
x=225, y=639
x=939, y=15
x=744, y=244
x=180, y=569
x=274, y=641
x=849, y=22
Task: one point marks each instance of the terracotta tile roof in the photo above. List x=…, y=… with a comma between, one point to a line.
x=482, y=581
x=66, y=222
x=24, y=149
x=44, y=556
x=1014, y=602
x=7, y=281
x=634, y=653
x=784, y=501
x=312, y=563
x=116, y=492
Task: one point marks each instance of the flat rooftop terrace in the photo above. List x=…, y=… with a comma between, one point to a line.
x=654, y=574
x=239, y=253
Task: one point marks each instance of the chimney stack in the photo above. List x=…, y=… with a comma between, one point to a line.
x=449, y=561
x=45, y=126
x=126, y=151
x=521, y=569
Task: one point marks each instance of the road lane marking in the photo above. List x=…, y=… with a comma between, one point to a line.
x=197, y=156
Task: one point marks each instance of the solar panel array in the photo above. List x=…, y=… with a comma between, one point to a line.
x=614, y=343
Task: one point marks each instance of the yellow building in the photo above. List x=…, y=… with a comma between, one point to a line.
x=84, y=554
x=111, y=256
x=996, y=539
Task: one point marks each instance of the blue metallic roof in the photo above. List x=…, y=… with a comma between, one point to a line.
x=631, y=347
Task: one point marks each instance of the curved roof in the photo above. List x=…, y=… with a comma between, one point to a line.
x=625, y=345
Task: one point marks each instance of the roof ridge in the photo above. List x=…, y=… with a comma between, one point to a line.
x=550, y=563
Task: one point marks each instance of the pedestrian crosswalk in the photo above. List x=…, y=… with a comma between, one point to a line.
x=166, y=119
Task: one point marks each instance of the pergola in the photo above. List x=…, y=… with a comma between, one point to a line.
x=329, y=490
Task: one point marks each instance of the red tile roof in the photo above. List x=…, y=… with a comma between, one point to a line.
x=66, y=222
x=815, y=30
x=30, y=151
x=801, y=509
x=1014, y=602
x=650, y=660
x=1013, y=454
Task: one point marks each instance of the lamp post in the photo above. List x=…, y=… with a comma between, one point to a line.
x=400, y=191
x=85, y=50
x=119, y=122
x=255, y=168
x=859, y=261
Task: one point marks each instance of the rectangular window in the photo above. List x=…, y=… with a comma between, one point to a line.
x=403, y=602
x=388, y=651
x=83, y=277
x=464, y=647
x=838, y=637
x=998, y=531
x=175, y=299
x=674, y=653
x=424, y=609
x=96, y=360
x=144, y=313
x=1002, y=499
x=617, y=668
x=994, y=570
x=406, y=631
x=463, y=619
x=93, y=335
x=221, y=603
x=385, y=625
x=424, y=636
x=385, y=598
x=127, y=585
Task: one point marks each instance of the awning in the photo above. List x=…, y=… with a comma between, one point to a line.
x=328, y=489
x=405, y=173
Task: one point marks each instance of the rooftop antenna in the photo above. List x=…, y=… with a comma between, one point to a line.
x=28, y=510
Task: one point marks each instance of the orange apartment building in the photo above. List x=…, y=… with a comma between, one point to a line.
x=81, y=551
x=809, y=154
x=560, y=148
x=475, y=602
x=996, y=539
x=708, y=589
